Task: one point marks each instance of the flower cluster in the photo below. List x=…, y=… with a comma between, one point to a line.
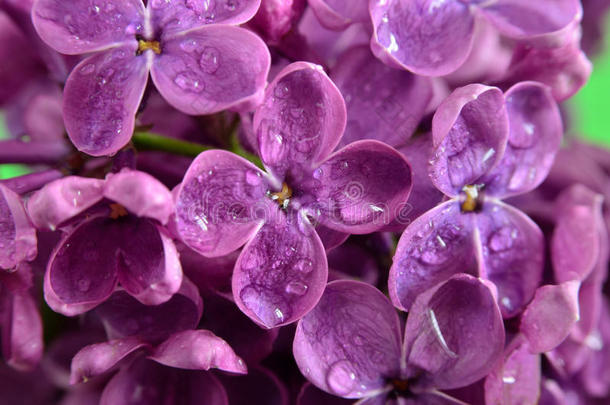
x=311, y=202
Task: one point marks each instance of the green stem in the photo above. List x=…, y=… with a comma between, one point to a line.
x=150, y=141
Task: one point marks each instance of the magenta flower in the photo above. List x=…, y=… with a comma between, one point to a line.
x=351, y=345
x=225, y=201
x=488, y=146
x=198, y=61
x=18, y=242
x=113, y=234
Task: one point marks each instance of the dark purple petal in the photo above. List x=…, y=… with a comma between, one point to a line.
x=549, y=318
x=361, y=187
x=350, y=342
x=145, y=382
x=217, y=203
x=140, y=194
x=426, y=37
x=259, y=387
x=339, y=14
x=198, y=350
x=211, y=275
x=81, y=26
x=329, y=237
x=310, y=395
x=524, y=19
x=101, y=97
x=382, y=103
x=174, y=17
x=280, y=274
x=352, y=261
x=18, y=241
x=535, y=131
x=301, y=120
x=512, y=254
x=99, y=358
x=437, y=245
x=89, y=396
x=454, y=333
x=470, y=129
x=211, y=69
x=62, y=200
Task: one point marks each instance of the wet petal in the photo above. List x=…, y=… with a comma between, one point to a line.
x=362, y=187
x=437, y=245
x=339, y=14
x=280, y=274
x=382, y=103
x=512, y=255
x=101, y=97
x=141, y=194
x=534, y=139
x=80, y=26
x=301, y=120
x=350, y=342
x=198, y=350
x=211, y=69
x=99, y=358
x=82, y=272
x=217, y=203
x=62, y=200
x=427, y=37
x=549, y=318
x=470, y=130
x=330, y=238
x=454, y=333
x=525, y=19
x=18, y=241
x=177, y=16
x=147, y=261
x=22, y=343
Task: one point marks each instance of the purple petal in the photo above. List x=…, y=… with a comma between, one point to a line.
x=147, y=383
x=211, y=275
x=259, y=387
x=301, y=120
x=330, y=238
x=512, y=255
x=277, y=279
x=310, y=395
x=361, y=187
x=437, y=245
x=211, y=69
x=534, y=139
x=470, y=130
x=382, y=103
x=62, y=200
x=89, y=396
x=217, y=203
x=339, y=14
x=124, y=316
x=101, y=97
x=350, y=342
x=141, y=194
x=147, y=261
x=525, y=19
x=18, y=241
x=426, y=37
x=198, y=350
x=99, y=358
x=178, y=16
x=549, y=318
x=80, y=26
x=454, y=333
x=353, y=261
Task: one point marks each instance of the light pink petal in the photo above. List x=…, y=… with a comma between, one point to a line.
x=18, y=241
x=339, y=14
x=211, y=69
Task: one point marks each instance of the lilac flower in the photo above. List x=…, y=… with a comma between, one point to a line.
x=434, y=38
x=17, y=235
x=276, y=18
x=488, y=146
x=113, y=233
x=198, y=61
x=225, y=201
x=339, y=14
x=350, y=344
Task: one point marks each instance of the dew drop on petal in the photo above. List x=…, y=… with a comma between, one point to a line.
x=296, y=288
x=253, y=178
x=83, y=284
x=304, y=265
x=87, y=69
x=185, y=82
x=502, y=239
x=341, y=377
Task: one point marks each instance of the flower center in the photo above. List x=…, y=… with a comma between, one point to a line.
x=282, y=197
x=144, y=45
x=117, y=211
x=472, y=200
x=400, y=386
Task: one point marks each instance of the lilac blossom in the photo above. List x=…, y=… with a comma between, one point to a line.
x=198, y=60
x=225, y=201
x=123, y=214
x=488, y=146
x=350, y=344
x=17, y=235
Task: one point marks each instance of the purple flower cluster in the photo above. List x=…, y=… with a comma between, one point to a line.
x=311, y=202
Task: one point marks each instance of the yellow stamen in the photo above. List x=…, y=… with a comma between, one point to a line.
x=282, y=197
x=472, y=195
x=117, y=211
x=144, y=45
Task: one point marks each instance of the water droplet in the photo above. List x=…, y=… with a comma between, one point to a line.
x=253, y=178
x=87, y=69
x=296, y=288
x=502, y=239
x=83, y=285
x=188, y=83
x=189, y=45
x=231, y=5
x=281, y=91
x=341, y=377
x=304, y=265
